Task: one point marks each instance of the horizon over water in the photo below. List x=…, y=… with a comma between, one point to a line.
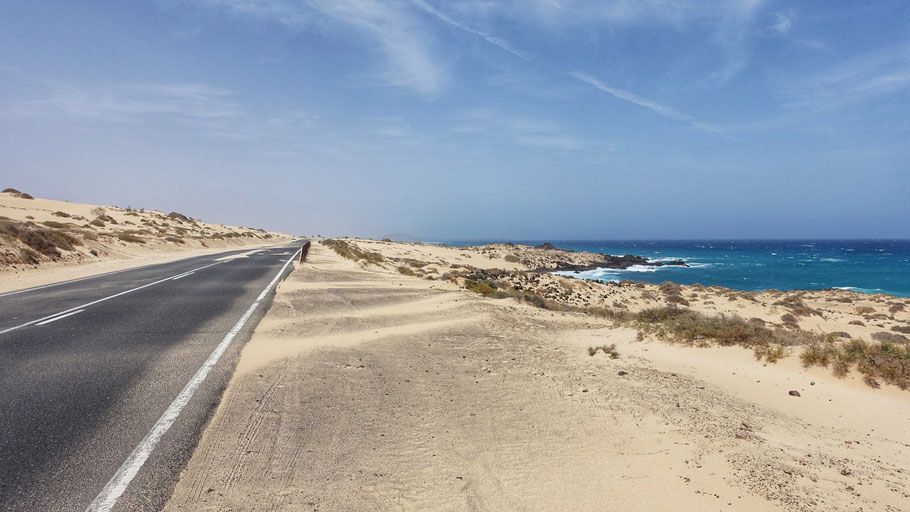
x=871, y=266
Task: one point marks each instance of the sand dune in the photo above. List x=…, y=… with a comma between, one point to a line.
x=44, y=241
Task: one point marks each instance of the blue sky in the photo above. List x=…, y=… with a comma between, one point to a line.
x=524, y=119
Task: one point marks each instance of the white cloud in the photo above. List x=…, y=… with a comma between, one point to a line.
x=133, y=103
x=782, y=23
x=864, y=78
x=495, y=41
x=496, y=128
x=390, y=24
x=662, y=110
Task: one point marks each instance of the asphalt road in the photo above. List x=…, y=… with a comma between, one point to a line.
x=89, y=368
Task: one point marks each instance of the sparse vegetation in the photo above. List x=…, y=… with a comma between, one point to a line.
x=609, y=350
x=797, y=306
x=351, y=252
x=128, y=237
x=883, y=361
x=16, y=193
x=690, y=327
x=485, y=288
x=47, y=242
x=404, y=270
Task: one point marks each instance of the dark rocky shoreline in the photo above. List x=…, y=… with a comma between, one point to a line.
x=608, y=261
x=617, y=262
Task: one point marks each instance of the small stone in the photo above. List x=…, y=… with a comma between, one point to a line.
x=812, y=383
x=793, y=392
x=621, y=373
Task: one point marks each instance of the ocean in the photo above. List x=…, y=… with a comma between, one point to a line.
x=871, y=266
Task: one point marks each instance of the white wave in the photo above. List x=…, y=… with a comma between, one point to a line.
x=831, y=260
x=858, y=289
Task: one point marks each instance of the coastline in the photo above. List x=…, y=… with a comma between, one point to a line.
x=385, y=376
x=871, y=266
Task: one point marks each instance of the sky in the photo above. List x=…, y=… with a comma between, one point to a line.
x=510, y=119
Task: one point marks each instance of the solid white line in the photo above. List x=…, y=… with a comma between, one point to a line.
x=102, y=300
x=182, y=275
x=108, y=496
x=71, y=313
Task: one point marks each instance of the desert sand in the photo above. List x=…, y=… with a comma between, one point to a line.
x=382, y=384
x=45, y=241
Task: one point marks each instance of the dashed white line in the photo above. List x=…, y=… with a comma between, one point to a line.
x=115, y=488
x=60, y=317
x=101, y=300
x=181, y=276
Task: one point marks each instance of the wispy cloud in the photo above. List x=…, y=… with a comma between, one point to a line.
x=134, y=103
x=782, y=23
x=495, y=41
x=864, y=78
x=662, y=110
x=406, y=46
x=493, y=126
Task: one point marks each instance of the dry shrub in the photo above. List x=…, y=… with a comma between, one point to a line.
x=28, y=256
x=883, y=361
x=485, y=288
x=130, y=238
x=891, y=337
x=609, y=350
x=406, y=271
x=690, y=327
x=677, y=299
x=863, y=310
x=44, y=241
x=350, y=251
x=797, y=306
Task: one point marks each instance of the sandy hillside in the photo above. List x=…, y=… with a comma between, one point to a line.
x=43, y=240
x=367, y=387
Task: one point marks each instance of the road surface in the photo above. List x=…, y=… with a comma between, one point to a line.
x=107, y=382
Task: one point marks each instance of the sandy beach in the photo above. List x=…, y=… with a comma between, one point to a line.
x=381, y=381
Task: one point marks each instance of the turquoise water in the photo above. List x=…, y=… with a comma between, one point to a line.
x=872, y=266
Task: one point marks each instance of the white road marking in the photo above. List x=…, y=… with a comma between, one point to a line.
x=86, y=277
x=183, y=275
x=108, y=496
x=71, y=313
x=72, y=281
x=101, y=300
